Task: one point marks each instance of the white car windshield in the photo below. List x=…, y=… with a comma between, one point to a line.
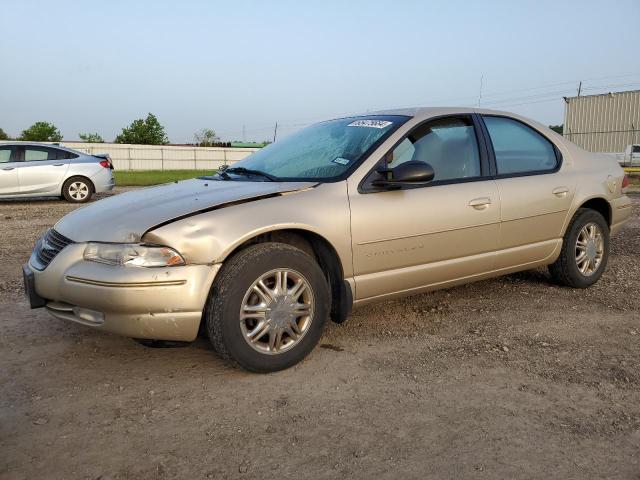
x=324, y=151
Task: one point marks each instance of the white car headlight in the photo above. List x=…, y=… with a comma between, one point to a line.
x=131, y=254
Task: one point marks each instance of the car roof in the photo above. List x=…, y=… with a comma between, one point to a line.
x=424, y=113
x=39, y=144
x=427, y=112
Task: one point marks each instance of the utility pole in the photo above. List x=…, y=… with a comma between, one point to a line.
x=480, y=93
x=275, y=132
x=579, y=87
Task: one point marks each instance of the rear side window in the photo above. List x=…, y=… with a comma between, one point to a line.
x=34, y=154
x=519, y=148
x=5, y=154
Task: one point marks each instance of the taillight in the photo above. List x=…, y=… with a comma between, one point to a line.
x=625, y=183
x=105, y=164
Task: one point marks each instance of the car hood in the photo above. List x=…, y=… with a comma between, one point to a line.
x=126, y=217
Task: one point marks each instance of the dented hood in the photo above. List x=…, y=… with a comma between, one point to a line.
x=126, y=217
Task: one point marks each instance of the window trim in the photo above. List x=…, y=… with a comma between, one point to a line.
x=365, y=186
x=492, y=155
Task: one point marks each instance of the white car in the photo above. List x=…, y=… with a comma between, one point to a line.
x=41, y=170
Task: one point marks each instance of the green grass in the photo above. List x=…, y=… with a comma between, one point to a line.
x=155, y=177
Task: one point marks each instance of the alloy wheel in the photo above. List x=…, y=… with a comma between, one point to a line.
x=78, y=190
x=589, y=249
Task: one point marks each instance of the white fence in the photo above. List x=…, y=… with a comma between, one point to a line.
x=163, y=157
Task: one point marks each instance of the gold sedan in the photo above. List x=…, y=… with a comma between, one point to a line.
x=345, y=212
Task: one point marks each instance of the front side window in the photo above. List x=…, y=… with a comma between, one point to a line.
x=5, y=154
x=518, y=148
x=323, y=151
x=449, y=145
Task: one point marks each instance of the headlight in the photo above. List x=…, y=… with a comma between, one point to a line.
x=131, y=254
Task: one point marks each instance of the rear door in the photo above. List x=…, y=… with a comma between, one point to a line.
x=535, y=190
x=8, y=172
x=42, y=170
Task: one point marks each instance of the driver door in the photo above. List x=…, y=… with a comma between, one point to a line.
x=8, y=173
x=412, y=238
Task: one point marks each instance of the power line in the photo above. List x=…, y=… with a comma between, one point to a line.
x=486, y=99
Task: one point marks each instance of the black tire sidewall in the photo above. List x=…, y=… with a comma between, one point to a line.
x=235, y=280
x=65, y=189
x=583, y=218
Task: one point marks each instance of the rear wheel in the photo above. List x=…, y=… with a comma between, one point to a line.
x=77, y=190
x=268, y=307
x=585, y=250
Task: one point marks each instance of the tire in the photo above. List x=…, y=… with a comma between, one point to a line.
x=233, y=292
x=77, y=190
x=566, y=269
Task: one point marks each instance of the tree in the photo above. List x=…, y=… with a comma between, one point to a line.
x=41, y=132
x=146, y=131
x=3, y=135
x=206, y=138
x=557, y=128
x=91, y=137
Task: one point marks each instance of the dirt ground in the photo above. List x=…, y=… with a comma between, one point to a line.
x=508, y=378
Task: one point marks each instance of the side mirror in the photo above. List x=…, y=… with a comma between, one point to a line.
x=413, y=172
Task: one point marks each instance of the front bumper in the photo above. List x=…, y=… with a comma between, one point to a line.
x=155, y=303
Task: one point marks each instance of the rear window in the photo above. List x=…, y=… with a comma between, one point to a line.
x=636, y=149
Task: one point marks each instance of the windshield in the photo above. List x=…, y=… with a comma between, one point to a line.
x=322, y=151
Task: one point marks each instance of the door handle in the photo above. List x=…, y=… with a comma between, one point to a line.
x=560, y=192
x=8, y=168
x=480, y=203
x=58, y=164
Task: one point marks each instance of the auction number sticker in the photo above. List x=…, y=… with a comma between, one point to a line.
x=340, y=161
x=370, y=123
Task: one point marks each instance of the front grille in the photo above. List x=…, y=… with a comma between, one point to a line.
x=50, y=245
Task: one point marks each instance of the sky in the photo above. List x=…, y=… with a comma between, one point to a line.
x=240, y=66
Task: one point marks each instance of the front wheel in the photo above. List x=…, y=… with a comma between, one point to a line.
x=585, y=251
x=77, y=190
x=268, y=307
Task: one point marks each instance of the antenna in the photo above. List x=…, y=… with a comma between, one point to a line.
x=480, y=92
x=275, y=132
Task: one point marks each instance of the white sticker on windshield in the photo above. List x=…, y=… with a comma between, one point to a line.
x=341, y=161
x=370, y=123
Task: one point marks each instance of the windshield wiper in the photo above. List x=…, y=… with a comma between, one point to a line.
x=249, y=171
